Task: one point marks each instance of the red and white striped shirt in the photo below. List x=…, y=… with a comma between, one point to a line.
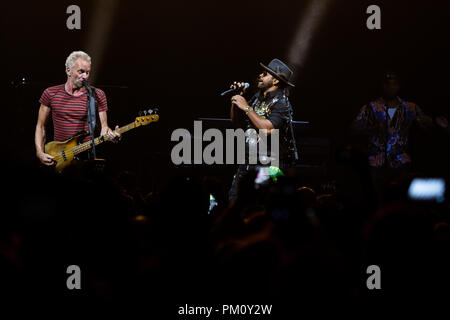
x=69, y=112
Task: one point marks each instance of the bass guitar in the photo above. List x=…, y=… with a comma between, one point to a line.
x=65, y=151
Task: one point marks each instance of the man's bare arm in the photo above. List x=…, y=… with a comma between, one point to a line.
x=236, y=115
x=106, y=130
x=40, y=136
x=260, y=122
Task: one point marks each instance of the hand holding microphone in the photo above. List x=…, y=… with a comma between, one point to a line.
x=236, y=88
x=240, y=102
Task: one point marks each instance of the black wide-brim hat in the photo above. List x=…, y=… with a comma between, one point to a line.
x=279, y=70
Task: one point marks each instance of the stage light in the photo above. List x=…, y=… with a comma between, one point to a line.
x=309, y=22
x=99, y=30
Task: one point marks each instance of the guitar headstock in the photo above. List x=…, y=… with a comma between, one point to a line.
x=146, y=117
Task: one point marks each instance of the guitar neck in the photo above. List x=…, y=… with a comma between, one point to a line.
x=88, y=144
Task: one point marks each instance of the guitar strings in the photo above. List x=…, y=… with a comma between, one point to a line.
x=71, y=152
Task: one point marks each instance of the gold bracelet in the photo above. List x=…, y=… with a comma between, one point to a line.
x=248, y=110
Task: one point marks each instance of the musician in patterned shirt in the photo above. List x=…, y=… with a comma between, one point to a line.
x=386, y=123
x=268, y=109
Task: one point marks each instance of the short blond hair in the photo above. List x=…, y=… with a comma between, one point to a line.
x=70, y=61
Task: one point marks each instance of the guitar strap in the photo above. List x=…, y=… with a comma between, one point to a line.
x=91, y=119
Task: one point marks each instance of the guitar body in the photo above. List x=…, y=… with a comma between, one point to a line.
x=61, y=150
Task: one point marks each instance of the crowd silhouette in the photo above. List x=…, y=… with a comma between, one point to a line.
x=277, y=241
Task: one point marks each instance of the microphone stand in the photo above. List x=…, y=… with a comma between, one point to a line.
x=292, y=128
x=91, y=116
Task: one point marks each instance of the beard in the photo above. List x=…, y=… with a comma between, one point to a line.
x=263, y=85
x=77, y=83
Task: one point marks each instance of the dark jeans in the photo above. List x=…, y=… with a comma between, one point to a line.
x=242, y=170
x=382, y=177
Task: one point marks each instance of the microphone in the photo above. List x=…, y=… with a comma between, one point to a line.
x=85, y=83
x=235, y=90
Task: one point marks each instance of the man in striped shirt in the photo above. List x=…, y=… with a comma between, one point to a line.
x=67, y=104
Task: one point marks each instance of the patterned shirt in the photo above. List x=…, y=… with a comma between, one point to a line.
x=388, y=136
x=69, y=112
x=275, y=107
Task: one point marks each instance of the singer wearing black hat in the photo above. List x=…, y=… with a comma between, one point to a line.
x=268, y=109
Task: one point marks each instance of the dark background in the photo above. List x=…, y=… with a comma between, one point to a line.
x=179, y=55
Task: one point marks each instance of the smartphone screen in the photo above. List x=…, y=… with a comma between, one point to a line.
x=212, y=203
x=427, y=189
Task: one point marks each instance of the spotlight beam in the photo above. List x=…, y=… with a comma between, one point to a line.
x=309, y=22
x=99, y=30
